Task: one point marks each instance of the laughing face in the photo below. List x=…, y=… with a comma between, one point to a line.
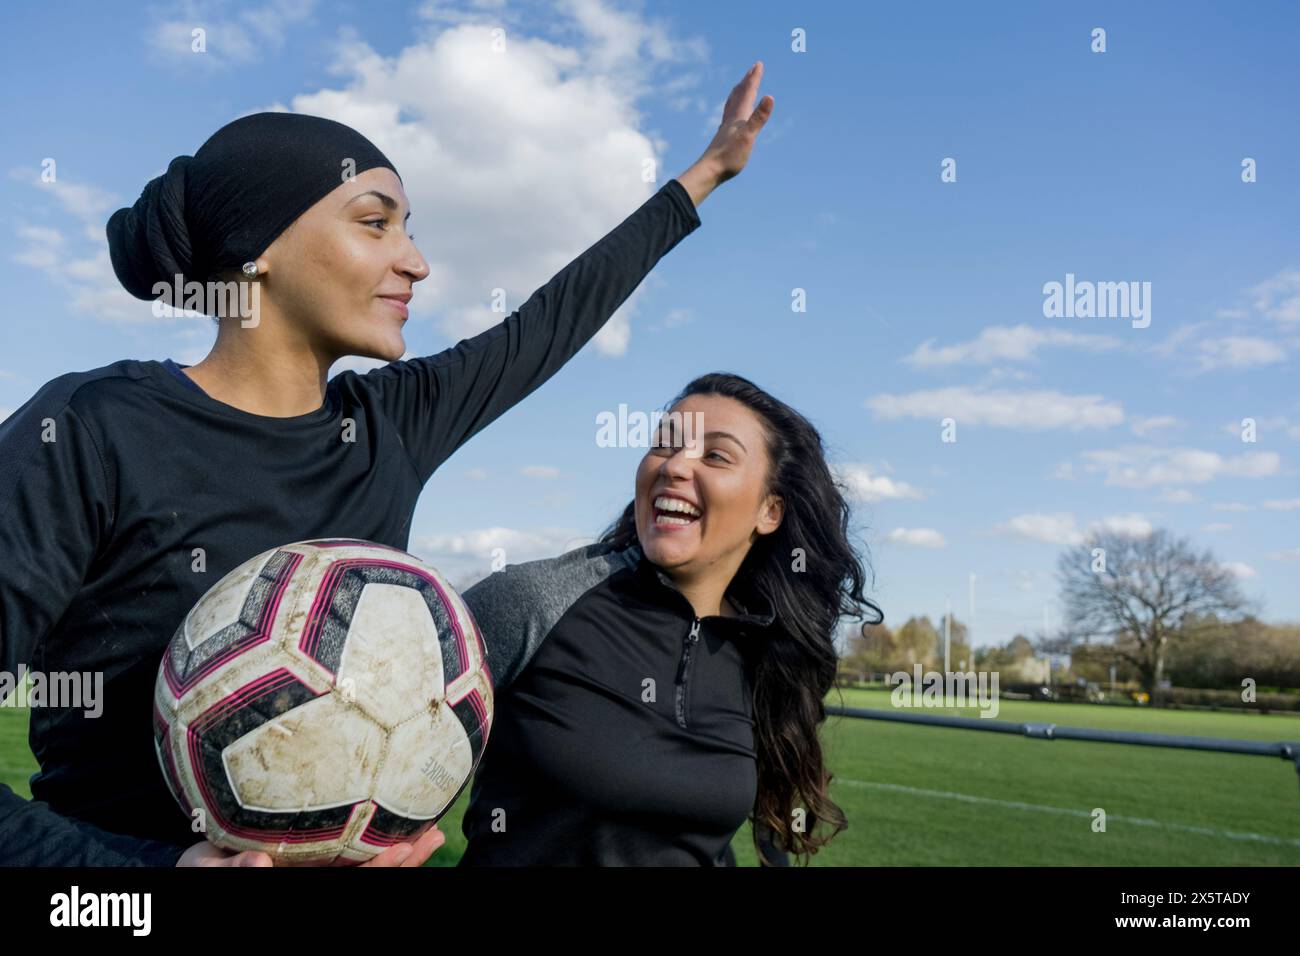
x=701, y=498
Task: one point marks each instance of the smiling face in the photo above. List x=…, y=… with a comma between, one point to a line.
x=332, y=273
x=700, y=489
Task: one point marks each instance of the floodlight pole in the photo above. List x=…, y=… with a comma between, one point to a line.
x=970, y=625
x=947, y=635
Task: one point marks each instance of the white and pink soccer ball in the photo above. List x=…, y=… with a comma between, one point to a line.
x=324, y=700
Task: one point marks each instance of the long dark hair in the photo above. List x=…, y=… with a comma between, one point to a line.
x=811, y=573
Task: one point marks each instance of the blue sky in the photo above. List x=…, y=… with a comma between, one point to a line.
x=924, y=298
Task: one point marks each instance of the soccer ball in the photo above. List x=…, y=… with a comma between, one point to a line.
x=323, y=701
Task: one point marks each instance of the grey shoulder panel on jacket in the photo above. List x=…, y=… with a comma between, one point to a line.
x=516, y=608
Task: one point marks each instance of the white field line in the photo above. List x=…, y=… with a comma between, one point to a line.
x=1063, y=811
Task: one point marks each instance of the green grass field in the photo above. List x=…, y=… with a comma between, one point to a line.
x=924, y=796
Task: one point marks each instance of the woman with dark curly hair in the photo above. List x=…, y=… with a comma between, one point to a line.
x=657, y=688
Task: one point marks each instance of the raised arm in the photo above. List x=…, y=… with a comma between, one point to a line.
x=439, y=402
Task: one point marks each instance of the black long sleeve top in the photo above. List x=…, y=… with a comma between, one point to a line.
x=125, y=494
x=624, y=723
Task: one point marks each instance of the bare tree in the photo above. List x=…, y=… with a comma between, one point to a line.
x=1143, y=592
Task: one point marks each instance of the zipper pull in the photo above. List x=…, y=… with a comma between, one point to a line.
x=690, y=642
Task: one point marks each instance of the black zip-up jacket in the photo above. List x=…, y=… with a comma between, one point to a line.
x=126, y=494
x=624, y=724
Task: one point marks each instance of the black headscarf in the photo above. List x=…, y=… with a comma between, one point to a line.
x=228, y=202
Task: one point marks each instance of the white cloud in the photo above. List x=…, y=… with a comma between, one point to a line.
x=85, y=201
x=1238, y=568
x=1061, y=527
x=1176, y=342
x=1196, y=349
x=1056, y=528
x=1290, y=555
x=1000, y=373
x=1278, y=298
x=233, y=36
x=673, y=318
x=1029, y=410
x=86, y=275
x=94, y=292
x=618, y=38
x=493, y=144
x=1133, y=525
x=1282, y=504
x=519, y=545
x=514, y=162
x=1264, y=426
x=917, y=537
x=1177, y=496
x=1137, y=466
x=864, y=485
x=1006, y=343
x=465, y=556
x=43, y=247
x=539, y=471
x=1275, y=300
x=1145, y=426
x=1216, y=526
x=1237, y=351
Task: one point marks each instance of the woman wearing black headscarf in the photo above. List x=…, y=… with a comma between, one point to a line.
x=127, y=491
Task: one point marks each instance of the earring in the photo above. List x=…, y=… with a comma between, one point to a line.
x=250, y=268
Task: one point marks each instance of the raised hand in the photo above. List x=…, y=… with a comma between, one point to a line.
x=740, y=126
x=729, y=151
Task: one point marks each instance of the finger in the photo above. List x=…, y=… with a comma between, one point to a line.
x=729, y=107
x=424, y=847
x=761, y=115
x=749, y=89
x=397, y=855
x=393, y=856
x=735, y=99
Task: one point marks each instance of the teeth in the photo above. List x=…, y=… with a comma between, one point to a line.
x=664, y=503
